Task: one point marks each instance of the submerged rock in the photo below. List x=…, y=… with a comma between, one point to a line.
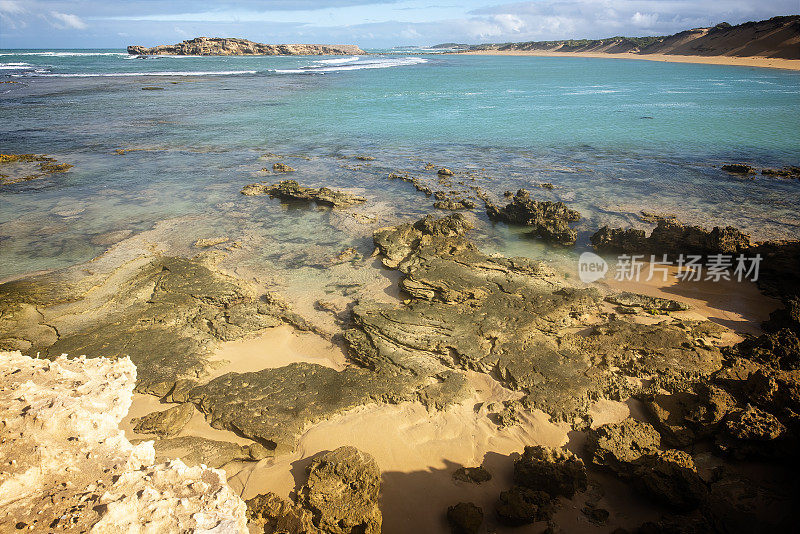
x=738, y=168
x=281, y=167
x=550, y=220
x=15, y=168
x=291, y=190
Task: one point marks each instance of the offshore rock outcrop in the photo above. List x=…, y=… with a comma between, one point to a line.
x=68, y=467
x=339, y=497
x=219, y=46
x=291, y=190
x=549, y=220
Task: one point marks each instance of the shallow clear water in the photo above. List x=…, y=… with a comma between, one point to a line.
x=613, y=136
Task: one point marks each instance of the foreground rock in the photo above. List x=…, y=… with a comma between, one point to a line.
x=291, y=190
x=465, y=518
x=340, y=497
x=68, y=466
x=549, y=220
x=217, y=46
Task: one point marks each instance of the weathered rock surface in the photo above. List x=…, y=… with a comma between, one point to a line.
x=291, y=190
x=672, y=237
x=165, y=313
x=342, y=492
x=218, y=46
x=271, y=514
x=616, y=446
x=498, y=315
x=635, y=300
x=521, y=506
x=550, y=220
x=465, y=518
x=557, y=472
x=194, y=450
x=670, y=477
x=67, y=466
x=272, y=406
x=164, y=423
x=472, y=475
x=340, y=497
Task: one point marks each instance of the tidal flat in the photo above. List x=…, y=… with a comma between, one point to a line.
x=313, y=280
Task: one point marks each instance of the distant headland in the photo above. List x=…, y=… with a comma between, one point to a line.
x=768, y=43
x=220, y=46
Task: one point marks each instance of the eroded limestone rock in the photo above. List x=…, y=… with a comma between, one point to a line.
x=68, y=466
x=291, y=190
x=549, y=220
x=342, y=492
x=164, y=423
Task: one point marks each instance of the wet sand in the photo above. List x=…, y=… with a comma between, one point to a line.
x=765, y=62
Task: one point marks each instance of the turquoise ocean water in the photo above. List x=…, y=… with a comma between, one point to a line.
x=613, y=136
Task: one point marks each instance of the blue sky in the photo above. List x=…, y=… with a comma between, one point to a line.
x=369, y=23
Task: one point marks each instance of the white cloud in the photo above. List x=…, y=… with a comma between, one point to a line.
x=66, y=21
x=644, y=20
x=7, y=6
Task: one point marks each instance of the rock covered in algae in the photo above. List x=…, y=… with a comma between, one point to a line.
x=291, y=190
x=549, y=220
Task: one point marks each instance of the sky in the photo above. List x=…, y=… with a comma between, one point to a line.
x=368, y=23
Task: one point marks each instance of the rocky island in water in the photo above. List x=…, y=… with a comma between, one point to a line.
x=222, y=46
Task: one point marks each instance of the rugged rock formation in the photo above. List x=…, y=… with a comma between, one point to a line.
x=165, y=313
x=557, y=472
x=66, y=464
x=218, y=46
x=671, y=237
x=550, y=220
x=472, y=475
x=340, y=497
x=291, y=190
x=465, y=518
x=164, y=423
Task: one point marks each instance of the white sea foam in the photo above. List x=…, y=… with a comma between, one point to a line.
x=372, y=63
x=14, y=66
x=166, y=73
x=63, y=54
x=338, y=60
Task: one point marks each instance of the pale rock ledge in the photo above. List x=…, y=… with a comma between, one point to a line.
x=66, y=466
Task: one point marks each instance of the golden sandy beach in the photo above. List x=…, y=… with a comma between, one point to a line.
x=765, y=62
